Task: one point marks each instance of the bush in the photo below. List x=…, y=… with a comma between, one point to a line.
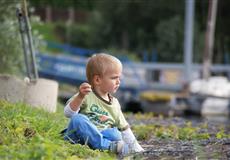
x=10, y=46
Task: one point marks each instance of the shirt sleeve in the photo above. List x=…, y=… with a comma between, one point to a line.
x=68, y=112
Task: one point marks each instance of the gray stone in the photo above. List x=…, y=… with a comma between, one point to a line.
x=43, y=93
x=12, y=89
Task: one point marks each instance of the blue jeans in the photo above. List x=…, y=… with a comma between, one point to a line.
x=82, y=130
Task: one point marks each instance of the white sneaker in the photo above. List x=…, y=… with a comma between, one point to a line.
x=119, y=147
x=116, y=146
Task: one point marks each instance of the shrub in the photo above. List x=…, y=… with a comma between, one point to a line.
x=10, y=45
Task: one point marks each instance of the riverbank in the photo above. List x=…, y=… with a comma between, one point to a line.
x=181, y=138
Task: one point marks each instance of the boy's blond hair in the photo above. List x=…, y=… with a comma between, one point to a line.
x=99, y=63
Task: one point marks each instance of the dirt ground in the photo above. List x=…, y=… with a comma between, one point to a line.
x=170, y=149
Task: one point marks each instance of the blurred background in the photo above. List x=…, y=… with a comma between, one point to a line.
x=169, y=48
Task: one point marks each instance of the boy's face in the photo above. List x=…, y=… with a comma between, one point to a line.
x=110, y=82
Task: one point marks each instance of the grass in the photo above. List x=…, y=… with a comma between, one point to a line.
x=187, y=132
x=172, y=131
x=32, y=133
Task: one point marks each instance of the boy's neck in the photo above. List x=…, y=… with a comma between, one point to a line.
x=105, y=96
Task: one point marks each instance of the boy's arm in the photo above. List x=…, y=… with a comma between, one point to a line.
x=129, y=138
x=84, y=89
x=74, y=105
x=68, y=112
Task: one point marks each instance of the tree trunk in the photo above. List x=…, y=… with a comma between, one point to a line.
x=48, y=17
x=209, y=38
x=125, y=40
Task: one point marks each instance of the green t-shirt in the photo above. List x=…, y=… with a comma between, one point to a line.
x=102, y=113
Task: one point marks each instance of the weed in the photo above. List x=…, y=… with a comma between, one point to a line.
x=144, y=132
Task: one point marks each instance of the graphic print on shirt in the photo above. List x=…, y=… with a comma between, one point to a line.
x=99, y=116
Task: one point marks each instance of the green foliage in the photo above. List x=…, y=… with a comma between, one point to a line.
x=170, y=35
x=163, y=132
x=221, y=134
x=80, y=4
x=11, y=49
x=31, y=133
x=122, y=54
x=143, y=25
x=170, y=40
x=136, y=26
x=199, y=40
x=187, y=132
x=144, y=132
x=141, y=116
x=131, y=24
x=47, y=30
x=39, y=36
x=10, y=46
x=77, y=35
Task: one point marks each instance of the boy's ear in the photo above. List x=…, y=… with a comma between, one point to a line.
x=96, y=79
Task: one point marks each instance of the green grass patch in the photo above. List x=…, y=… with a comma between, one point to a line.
x=187, y=132
x=32, y=133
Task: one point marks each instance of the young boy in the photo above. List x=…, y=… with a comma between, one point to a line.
x=96, y=116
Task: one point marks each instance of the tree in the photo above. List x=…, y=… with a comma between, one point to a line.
x=10, y=45
x=170, y=39
x=77, y=4
x=131, y=24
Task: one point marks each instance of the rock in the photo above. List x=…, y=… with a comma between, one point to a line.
x=42, y=93
x=12, y=89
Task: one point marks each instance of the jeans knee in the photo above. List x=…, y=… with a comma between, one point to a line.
x=113, y=134
x=79, y=119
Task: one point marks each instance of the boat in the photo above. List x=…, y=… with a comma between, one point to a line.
x=208, y=97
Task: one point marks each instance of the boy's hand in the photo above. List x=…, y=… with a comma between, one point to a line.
x=84, y=89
